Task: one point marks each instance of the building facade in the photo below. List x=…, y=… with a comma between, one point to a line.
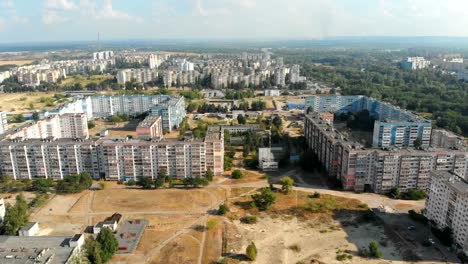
x=150, y=127
x=446, y=205
x=378, y=169
x=3, y=123
x=112, y=159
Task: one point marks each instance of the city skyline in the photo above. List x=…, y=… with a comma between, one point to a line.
x=72, y=20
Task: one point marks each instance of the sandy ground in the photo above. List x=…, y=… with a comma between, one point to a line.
x=275, y=237
x=122, y=129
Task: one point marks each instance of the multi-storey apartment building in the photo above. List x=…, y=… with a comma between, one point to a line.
x=58, y=126
x=170, y=108
x=112, y=159
x=393, y=126
x=447, y=205
x=137, y=75
x=415, y=63
x=381, y=170
x=3, y=123
x=150, y=127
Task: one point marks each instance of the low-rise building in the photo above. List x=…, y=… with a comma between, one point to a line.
x=30, y=229
x=2, y=209
x=268, y=158
x=40, y=249
x=447, y=205
x=272, y=92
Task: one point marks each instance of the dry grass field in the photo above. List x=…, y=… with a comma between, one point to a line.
x=21, y=102
x=85, y=80
x=15, y=62
x=136, y=200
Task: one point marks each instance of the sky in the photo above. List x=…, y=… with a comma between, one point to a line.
x=74, y=20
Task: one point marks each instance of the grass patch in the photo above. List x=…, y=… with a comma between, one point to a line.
x=295, y=247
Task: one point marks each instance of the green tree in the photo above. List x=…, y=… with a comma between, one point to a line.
x=144, y=182
x=91, y=124
x=251, y=251
x=286, y=184
x=42, y=185
x=395, y=193
x=93, y=251
x=158, y=183
x=209, y=174
x=15, y=216
x=241, y=119
x=277, y=121
x=108, y=243
x=223, y=209
x=237, y=174
x=35, y=116
x=416, y=194
x=264, y=199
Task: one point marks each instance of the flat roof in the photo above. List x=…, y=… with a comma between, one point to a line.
x=148, y=121
x=16, y=249
x=28, y=226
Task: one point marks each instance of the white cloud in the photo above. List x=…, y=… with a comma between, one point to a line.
x=108, y=12
x=66, y=5
x=50, y=17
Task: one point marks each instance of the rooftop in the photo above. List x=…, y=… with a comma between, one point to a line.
x=148, y=121
x=453, y=181
x=16, y=250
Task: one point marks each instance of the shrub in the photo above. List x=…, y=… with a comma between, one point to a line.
x=91, y=124
x=251, y=251
x=295, y=248
x=249, y=219
x=212, y=223
x=416, y=194
x=321, y=206
x=223, y=209
x=237, y=174
x=264, y=199
x=315, y=195
x=374, y=250
x=286, y=184
x=131, y=182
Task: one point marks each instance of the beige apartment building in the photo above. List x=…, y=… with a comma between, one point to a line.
x=381, y=170
x=112, y=159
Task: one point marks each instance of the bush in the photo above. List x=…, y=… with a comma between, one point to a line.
x=286, y=184
x=295, y=248
x=236, y=174
x=250, y=219
x=75, y=183
x=374, y=250
x=251, y=251
x=321, y=206
x=212, y=223
x=91, y=124
x=315, y=195
x=131, y=182
x=416, y=194
x=223, y=209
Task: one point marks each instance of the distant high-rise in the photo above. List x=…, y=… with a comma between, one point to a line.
x=103, y=55
x=294, y=76
x=3, y=123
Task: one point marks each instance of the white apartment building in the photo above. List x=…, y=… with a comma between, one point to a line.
x=57, y=126
x=154, y=61
x=415, y=63
x=4, y=75
x=447, y=205
x=272, y=92
x=103, y=55
x=295, y=76
x=2, y=209
x=139, y=75
x=3, y=123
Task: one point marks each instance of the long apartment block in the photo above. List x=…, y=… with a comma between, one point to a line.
x=170, y=108
x=446, y=205
x=112, y=159
x=393, y=126
x=379, y=169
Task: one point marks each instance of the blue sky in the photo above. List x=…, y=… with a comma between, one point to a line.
x=65, y=20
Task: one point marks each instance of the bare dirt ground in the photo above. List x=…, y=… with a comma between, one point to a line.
x=122, y=129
